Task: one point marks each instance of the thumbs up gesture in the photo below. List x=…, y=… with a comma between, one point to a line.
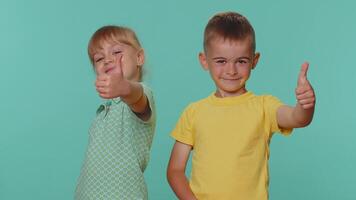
x=111, y=83
x=304, y=91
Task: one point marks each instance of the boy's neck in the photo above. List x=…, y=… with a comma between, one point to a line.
x=223, y=94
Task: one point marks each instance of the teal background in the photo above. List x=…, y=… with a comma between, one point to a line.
x=48, y=98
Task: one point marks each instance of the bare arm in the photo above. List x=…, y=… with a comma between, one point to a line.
x=176, y=171
x=137, y=100
x=294, y=117
x=302, y=114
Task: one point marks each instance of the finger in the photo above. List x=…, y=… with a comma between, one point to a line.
x=304, y=70
x=308, y=106
x=302, y=78
x=103, y=95
x=101, y=83
x=102, y=77
x=302, y=89
x=306, y=101
x=302, y=97
x=101, y=90
x=308, y=94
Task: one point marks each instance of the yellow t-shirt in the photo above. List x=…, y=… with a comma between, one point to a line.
x=230, y=139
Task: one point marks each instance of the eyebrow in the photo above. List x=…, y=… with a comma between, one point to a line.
x=120, y=45
x=98, y=53
x=100, y=49
x=217, y=58
x=243, y=57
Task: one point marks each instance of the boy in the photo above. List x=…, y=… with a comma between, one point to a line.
x=231, y=129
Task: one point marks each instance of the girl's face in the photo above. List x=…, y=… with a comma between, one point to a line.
x=107, y=58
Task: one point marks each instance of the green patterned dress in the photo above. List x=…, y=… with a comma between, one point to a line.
x=117, y=153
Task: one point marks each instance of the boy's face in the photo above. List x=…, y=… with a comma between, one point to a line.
x=106, y=57
x=229, y=64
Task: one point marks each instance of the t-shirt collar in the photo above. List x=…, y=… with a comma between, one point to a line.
x=230, y=100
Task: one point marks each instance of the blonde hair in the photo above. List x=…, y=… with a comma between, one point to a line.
x=112, y=34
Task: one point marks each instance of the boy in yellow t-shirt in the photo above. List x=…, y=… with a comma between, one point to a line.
x=230, y=130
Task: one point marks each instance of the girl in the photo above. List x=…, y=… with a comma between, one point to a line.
x=121, y=134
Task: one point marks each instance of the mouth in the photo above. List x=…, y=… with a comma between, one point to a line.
x=109, y=69
x=231, y=79
x=242, y=80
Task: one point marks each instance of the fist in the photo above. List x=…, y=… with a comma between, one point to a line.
x=111, y=83
x=304, y=91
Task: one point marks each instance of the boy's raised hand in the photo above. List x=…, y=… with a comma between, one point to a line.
x=304, y=91
x=112, y=83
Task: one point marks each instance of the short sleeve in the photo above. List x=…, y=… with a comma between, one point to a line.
x=271, y=105
x=148, y=92
x=184, y=131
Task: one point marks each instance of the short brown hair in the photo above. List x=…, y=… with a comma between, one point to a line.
x=112, y=34
x=230, y=26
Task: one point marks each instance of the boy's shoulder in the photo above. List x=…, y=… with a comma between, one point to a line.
x=193, y=106
x=197, y=103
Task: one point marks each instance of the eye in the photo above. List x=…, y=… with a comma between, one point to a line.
x=117, y=52
x=220, y=61
x=242, y=61
x=98, y=59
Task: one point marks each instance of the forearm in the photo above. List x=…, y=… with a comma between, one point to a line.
x=135, y=98
x=302, y=117
x=180, y=185
x=302, y=114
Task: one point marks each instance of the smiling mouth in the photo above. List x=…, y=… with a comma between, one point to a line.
x=242, y=80
x=231, y=79
x=109, y=69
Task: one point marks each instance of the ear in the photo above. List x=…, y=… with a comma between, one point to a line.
x=140, y=57
x=255, y=60
x=203, y=62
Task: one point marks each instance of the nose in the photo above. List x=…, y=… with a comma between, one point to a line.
x=231, y=69
x=108, y=59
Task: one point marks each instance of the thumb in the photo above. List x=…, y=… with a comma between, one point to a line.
x=302, y=78
x=118, y=65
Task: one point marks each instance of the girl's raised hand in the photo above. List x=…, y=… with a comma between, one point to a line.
x=112, y=83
